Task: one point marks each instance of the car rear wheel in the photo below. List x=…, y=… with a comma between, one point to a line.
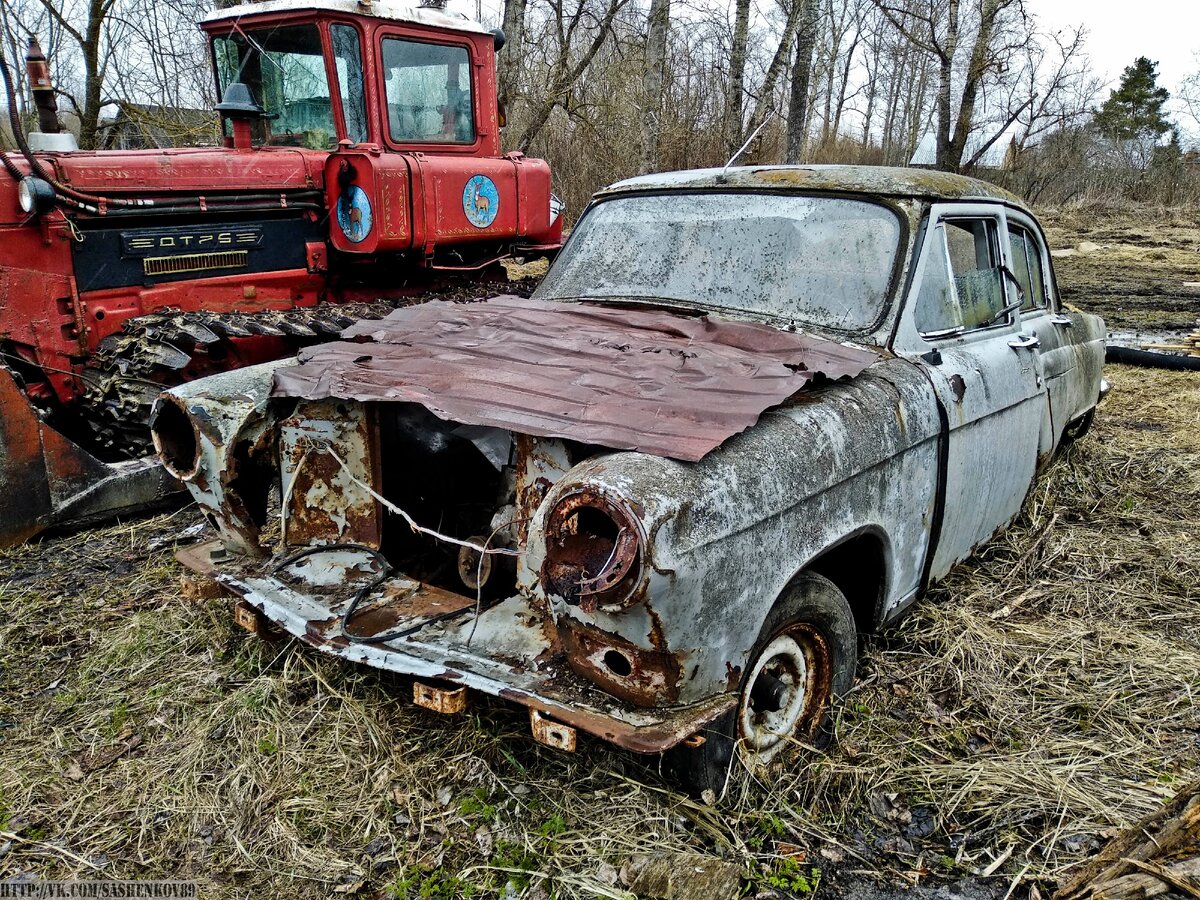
x=803, y=661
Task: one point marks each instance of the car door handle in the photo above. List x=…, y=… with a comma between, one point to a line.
x=1064, y=321
x=1023, y=341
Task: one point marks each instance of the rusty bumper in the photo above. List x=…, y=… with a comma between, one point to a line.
x=509, y=652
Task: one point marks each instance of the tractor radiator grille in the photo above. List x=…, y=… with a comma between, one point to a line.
x=194, y=262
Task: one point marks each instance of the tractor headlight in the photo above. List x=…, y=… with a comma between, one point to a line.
x=35, y=195
x=595, y=550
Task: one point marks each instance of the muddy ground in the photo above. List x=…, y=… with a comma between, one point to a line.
x=1139, y=269
x=1040, y=700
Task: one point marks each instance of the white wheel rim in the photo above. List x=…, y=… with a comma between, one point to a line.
x=765, y=732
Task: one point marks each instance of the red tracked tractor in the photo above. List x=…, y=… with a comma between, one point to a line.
x=360, y=165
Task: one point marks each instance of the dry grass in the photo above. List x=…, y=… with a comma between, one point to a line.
x=1046, y=693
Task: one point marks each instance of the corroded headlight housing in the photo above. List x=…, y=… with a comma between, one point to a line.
x=594, y=551
x=175, y=437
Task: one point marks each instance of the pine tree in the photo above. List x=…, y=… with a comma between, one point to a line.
x=1134, y=109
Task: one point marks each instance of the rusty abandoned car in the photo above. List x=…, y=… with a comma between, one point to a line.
x=748, y=414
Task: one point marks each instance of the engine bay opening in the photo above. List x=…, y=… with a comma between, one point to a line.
x=458, y=481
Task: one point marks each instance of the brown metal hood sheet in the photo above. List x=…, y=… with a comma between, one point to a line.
x=629, y=379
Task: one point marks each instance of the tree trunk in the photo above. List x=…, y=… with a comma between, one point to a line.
x=737, y=78
x=840, y=106
x=508, y=63
x=653, y=81
x=945, y=74
x=806, y=39
x=976, y=69
x=766, y=96
x=93, y=77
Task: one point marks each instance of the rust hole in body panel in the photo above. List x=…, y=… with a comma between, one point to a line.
x=631, y=673
x=618, y=663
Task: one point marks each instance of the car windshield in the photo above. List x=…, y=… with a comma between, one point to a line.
x=284, y=68
x=824, y=261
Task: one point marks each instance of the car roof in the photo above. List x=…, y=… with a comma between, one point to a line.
x=380, y=9
x=883, y=181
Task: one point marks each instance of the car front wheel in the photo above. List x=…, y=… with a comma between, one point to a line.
x=803, y=661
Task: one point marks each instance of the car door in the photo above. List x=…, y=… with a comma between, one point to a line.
x=960, y=324
x=1063, y=338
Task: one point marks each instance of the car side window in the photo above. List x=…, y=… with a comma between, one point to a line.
x=974, y=265
x=1027, y=266
x=961, y=288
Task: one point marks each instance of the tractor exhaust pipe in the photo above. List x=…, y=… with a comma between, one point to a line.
x=42, y=88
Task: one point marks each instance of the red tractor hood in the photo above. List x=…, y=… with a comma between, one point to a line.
x=192, y=170
x=633, y=379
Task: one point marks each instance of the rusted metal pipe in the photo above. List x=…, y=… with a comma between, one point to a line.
x=42, y=88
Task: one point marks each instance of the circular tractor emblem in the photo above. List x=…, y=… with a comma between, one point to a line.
x=354, y=213
x=481, y=201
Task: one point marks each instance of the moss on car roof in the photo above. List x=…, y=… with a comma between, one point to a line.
x=884, y=181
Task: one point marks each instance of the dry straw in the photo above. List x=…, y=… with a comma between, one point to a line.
x=1041, y=696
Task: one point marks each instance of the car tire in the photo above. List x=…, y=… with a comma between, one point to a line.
x=1081, y=426
x=802, y=663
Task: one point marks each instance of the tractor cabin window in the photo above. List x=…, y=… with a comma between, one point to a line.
x=284, y=68
x=428, y=88
x=347, y=57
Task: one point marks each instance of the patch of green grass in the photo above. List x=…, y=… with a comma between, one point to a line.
x=516, y=859
x=419, y=883
x=772, y=825
x=476, y=806
x=116, y=720
x=552, y=827
x=788, y=875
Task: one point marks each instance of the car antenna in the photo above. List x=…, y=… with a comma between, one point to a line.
x=742, y=149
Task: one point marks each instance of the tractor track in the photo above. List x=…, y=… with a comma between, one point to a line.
x=169, y=347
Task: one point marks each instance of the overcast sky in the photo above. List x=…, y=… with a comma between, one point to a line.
x=1119, y=31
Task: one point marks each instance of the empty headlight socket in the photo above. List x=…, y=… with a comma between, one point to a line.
x=594, y=552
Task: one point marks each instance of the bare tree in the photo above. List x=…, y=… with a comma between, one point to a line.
x=735, y=92
x=798, y=103
x=938, y=27
x=569, y=41
x=1189, y=94
x=657, y=29
x=87, y=24
x=766, y=102
x=509, y=61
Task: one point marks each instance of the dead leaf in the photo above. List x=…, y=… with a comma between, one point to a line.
x=350, y=887
x=832, y=853
x=483, y=838
x=791, y=851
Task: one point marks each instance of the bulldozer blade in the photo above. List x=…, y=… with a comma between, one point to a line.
x=48, y=481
